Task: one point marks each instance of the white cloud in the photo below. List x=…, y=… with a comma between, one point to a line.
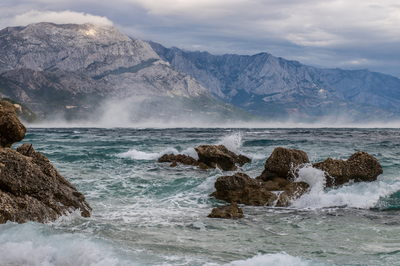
x=61, y=17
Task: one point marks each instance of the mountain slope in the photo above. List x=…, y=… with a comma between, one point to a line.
x=274, y=87
x=53, y=67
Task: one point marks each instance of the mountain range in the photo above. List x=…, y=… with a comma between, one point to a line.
x=80, y=72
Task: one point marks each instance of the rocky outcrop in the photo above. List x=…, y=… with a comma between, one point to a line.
x=11, y=129
x=281, y=161
x=243, y=189
x=219, y=156
x=360, y=167
x=277, y=185
x=31, y=189
x=210, y=157
x=231, y=211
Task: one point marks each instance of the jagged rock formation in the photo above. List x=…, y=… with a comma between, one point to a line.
x=277, y=185
x=31, y=189
x=11, y=129
x=360, y=167
x=210, y=157
x=231, y=211
x=71, y=69
x=274, y=87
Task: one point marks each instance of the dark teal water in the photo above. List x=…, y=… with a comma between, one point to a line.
x=146, y=213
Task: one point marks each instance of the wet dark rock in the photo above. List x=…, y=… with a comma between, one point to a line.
x=231, y=211
x=31, y=189
x=11, y=129
x=210, y=157
x=281, y=161
x=292, y=191
x=220, y=156
x=243, y=189
x=360, y=167
x=175, y=159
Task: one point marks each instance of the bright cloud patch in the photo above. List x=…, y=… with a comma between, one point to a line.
x=62, y=17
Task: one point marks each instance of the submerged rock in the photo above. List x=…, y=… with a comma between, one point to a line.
x=281, y=161
x=31, y=189
x=360, y=167
x=231, y=211
x=210, y=157
x=11, y=129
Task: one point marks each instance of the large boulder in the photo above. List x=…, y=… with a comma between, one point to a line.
x=243, y=189
x=231, y=211
x=31, y=189
x=360, y=167
x=11, y=129
x=219, y=156
x=281, y=162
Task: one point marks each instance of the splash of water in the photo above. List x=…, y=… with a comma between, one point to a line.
x=232, y=142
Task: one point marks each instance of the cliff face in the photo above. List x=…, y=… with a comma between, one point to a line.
x=271, y=86
x=69, y=70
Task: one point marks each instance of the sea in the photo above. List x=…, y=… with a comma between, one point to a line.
x=148, y=213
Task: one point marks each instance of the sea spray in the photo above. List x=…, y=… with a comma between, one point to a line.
x=232, y=142
x=362, y=195
x=280, y=259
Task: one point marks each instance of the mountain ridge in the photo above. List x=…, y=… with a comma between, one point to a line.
x=60, y=67
x=266, y=85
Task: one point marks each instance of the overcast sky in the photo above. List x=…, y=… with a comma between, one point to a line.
x=348, y=34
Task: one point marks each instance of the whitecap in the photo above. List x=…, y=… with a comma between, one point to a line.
x=362, y=195
x=279, y=259
x=140, y=155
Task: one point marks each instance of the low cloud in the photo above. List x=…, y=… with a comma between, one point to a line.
x=62, y=17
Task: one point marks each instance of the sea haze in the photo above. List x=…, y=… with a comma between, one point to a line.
x=147, y=213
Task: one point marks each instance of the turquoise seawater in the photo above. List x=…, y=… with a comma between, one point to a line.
x=147, y=213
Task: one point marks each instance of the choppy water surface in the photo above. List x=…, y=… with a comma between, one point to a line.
x=146, y=213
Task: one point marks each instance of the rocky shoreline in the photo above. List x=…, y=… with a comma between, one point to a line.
x=31, y=189
x=277, y=185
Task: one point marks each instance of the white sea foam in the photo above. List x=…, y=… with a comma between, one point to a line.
x=232, y=142
x=191, y=152
x=37, y=244
x=280, y=259
x=140, y=155
x=362, y=195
